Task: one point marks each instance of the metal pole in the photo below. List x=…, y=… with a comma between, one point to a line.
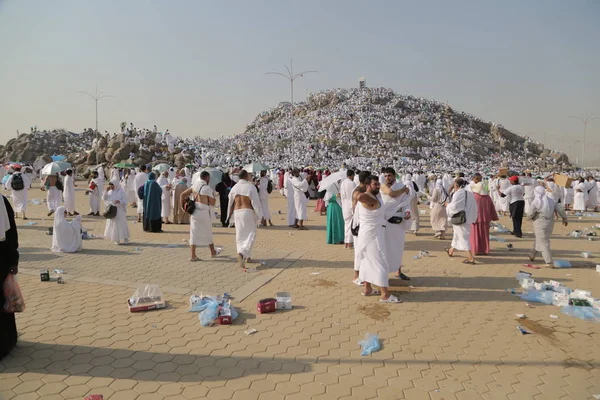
x=292, y=114
x=96, y=98
x=586, y=119
x=291, y=77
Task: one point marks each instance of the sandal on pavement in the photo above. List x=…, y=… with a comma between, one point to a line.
x=194, y=259
x=447, y=250
x=358, y=282
x=391, y=299
x=374, y=292
x=468, y=262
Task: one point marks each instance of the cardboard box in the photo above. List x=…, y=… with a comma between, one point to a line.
x=563, y=180
x=147, y=306
x=266, y=305
x=503, y=171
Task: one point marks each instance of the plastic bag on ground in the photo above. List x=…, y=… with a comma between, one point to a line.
x=370, y=344
x=210, y=314
x=585, y=313
x=537, y=296
x=199, y=303
x=146, y=294
x=562, y=264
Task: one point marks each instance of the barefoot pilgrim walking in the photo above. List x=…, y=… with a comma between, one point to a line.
x=244, y=206
x=201, y=232
x=371, y=246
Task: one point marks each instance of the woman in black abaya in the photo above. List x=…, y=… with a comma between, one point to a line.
x=9, y=261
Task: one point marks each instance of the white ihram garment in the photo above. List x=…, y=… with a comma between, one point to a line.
x=139, y=181
x=346, y=189
x=503, y=203
x=395, y=233
x=69, y=194
x=66, y=236
x=53, y=198
x=291, y=206
x=116, y=228
x=245, y=219
x=300, y=187
x=263, y=194
x=94, y=197
x=201, y=233
x=592, y=188
x=462, y=200
x=371, y=247
x=165, y=209
x=579, y=197
x=19, y=197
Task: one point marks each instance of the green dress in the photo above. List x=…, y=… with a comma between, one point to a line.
x=335, y=222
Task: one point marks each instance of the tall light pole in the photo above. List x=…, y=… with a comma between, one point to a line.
x=96, y=97
x=291, y=77
x=586, y=120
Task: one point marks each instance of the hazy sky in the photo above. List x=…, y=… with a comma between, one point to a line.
x=198, y=67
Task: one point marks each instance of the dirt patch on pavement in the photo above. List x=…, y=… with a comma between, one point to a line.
x=537, y=328
x=324, y=283
x=375, y=311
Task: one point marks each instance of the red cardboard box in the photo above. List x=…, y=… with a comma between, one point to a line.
x=225, y=319
x=266, y=305
x=94, y=397
x=146, y=306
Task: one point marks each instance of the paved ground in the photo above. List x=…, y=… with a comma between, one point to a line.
x=454, y=337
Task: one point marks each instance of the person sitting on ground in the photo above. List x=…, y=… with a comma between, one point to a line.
x=66, y=236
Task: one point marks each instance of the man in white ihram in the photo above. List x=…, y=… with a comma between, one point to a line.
x=69, y=193
x=371, y=246
x=396, y=196
x=346, y=189
x=300, y=186
x=139, y=181
x=263, y=194
x=288, y=191
x=244, y=206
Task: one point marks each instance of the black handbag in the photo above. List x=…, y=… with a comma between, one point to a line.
x=110, y=211
x=460, y=217
x=395, y=220
x=189, y=206
x=354, y=230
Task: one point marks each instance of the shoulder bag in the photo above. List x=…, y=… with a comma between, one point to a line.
x=110, y=211
x=460, y=217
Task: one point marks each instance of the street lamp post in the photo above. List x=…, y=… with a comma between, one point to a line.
x=96, y=97
x=586, y=120
x=291, y=77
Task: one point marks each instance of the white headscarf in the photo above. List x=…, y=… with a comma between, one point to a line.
x=4, y=221
x=66, y=236
x=542, y=203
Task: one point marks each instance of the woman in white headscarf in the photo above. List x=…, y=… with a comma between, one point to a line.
x=116, y=228
x=66, y=236
x=438, y=218
x=541, y=211
x=414, y=208
x=462, y=200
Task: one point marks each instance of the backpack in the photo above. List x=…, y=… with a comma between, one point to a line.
x=269, y=187
x=17, y=182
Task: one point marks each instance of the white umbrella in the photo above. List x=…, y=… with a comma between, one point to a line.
x=255, y=167
x=161, y=167
x=331, y=179
x=55, y=167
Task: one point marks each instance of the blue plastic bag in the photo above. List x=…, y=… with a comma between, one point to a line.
x=562, y=264
x=370, y=344
x=585, y=313
x=538, y=297
x=210, y=314
x=198, y=304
